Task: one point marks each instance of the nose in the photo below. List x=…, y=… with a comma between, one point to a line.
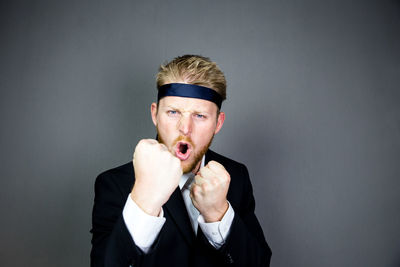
x=185, y=125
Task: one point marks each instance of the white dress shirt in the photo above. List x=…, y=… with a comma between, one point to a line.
x=145, y=228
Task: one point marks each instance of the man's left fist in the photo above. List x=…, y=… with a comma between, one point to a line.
x=209, y=190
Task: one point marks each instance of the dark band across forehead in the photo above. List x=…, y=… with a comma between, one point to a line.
x=189, y=90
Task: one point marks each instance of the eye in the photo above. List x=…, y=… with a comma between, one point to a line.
x=172, y=112
x=200, y=116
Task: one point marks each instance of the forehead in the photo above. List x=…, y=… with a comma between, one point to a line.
x=187, y=104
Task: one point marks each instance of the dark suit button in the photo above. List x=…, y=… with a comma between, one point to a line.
x=229, y=258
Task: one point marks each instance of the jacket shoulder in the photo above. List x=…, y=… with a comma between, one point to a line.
x=125, y=169
x=121, y=177
x=228, y=163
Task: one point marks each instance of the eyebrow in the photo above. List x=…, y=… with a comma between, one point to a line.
x=194, y=111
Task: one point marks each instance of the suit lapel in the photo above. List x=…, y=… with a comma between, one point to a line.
x=208, y=157
x=176, y=208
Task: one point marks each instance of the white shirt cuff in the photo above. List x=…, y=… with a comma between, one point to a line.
x=143, y=227
x=217, y=232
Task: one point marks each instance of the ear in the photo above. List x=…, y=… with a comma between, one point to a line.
x=153, y=110
x=220, y=122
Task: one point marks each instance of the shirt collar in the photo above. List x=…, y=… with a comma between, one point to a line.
x=188, y=175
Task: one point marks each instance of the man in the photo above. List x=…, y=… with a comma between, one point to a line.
x=178, y=203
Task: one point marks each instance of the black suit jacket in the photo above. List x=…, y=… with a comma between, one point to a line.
x=176, y=245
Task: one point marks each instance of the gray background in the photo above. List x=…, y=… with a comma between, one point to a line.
x=313, y=110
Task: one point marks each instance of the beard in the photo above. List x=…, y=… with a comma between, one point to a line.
x=187, y=166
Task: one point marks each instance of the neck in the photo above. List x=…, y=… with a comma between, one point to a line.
x=196, y=169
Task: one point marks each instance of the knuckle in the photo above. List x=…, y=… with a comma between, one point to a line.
x=197, y=179
x=195, y=190
x=158, y=147
x=215, y=164
x=227, y=177
x=138, y=146
x=205, y=187
x=215, y=182
x=144, y=142
x=212, y=163
x=201, y=172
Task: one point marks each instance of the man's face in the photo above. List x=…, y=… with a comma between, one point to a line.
x=186, y=126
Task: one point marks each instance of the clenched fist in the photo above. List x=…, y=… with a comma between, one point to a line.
x=208, y=192
x=157, y=174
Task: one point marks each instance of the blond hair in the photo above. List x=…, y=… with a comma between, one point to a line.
x=193, y=69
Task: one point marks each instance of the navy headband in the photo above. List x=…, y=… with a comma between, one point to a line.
x=189, y=90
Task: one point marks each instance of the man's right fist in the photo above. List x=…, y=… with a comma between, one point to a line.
x=157, y=174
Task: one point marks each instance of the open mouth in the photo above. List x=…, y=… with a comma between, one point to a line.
x=182, y=150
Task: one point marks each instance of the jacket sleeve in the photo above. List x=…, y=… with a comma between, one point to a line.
x=246, y=245
x=112, y=244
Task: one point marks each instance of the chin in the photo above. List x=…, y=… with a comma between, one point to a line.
x=188, y=166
